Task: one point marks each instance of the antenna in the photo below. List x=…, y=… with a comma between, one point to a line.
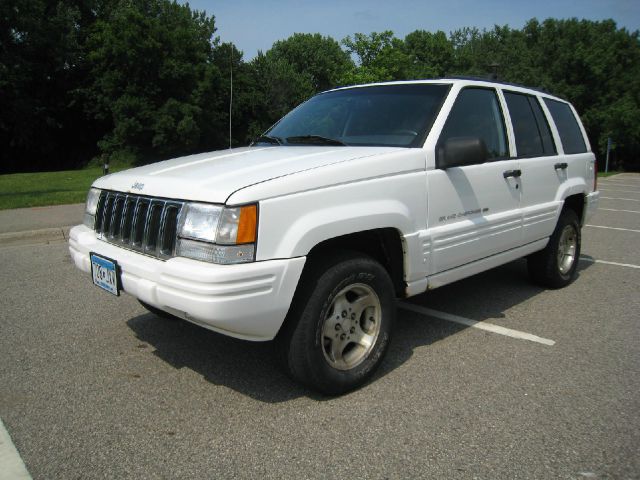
x=231, y=89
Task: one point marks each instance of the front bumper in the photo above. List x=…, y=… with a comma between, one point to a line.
x=247, y=301
x=590, y=205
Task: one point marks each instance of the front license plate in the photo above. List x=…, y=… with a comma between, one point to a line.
x=105, y=273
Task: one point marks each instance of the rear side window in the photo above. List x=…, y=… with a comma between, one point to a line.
x=533, y=136
x=568, y=128
x=477, y=114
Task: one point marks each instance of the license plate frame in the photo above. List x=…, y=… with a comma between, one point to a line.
x=105, y=273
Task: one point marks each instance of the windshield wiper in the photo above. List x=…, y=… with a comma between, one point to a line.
x=268, y=139
x=315, y=140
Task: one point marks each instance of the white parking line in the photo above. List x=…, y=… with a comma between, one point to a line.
x=616, y=198
x=11, y=465
x=618, y=191
x=613, y=228
x=613, y=184
x=489, y=327
x=616, y=210
x=593, y=260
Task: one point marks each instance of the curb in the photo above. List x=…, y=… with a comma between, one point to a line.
x=34, y=237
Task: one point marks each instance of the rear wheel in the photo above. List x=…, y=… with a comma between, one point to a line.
x=556, y=265
x=340, y=323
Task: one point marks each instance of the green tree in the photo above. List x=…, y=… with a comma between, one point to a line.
x=41, y=66
x=277, y=88
x=381, y=57
x=312, y=54
x=367, y=48
x=432, y=53
x=153, y=78
x=149, y=78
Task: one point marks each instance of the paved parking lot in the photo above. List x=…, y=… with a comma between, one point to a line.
x=91, y=386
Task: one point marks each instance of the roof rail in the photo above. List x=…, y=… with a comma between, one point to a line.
x=491, y=80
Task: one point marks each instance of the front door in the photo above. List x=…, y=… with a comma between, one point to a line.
x=474, y=210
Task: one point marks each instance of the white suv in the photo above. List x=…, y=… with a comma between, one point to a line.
x=356, y=197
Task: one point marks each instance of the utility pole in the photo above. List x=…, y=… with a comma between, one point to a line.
x=494, y=67
x=606, y=163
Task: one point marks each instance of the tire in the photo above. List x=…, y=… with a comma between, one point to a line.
x=339, y=325
x=556, y=265
x=158, y=312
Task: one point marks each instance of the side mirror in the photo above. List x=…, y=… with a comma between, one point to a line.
x=461, y=151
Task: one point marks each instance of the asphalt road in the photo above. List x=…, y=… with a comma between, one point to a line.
x=92, y=386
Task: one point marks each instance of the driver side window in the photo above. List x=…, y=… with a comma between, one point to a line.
x=476, y=114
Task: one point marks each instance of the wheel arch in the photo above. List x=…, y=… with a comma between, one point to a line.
x=575, y=202
x=573, y=194
x=385, y=245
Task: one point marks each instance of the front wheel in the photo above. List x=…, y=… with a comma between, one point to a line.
x=340, y=323
x=556, y=265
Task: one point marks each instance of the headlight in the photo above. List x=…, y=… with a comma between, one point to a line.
x=199, y=221
x=91, y=206
x=217, y=234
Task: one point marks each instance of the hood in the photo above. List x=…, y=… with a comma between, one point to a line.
x=214, y=176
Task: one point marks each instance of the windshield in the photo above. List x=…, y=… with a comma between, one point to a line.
x=385, y=115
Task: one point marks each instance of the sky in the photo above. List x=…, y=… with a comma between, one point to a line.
x=254, y=25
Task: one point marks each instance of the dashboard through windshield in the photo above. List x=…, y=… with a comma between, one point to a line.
x=385, y=115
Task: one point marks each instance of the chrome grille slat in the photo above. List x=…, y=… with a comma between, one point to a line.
x=145, y=231
x=152, y=226
x=116, y=213
x=163, y=220
x=127, y=211
x=168, y=227
x=99, y=212
x=145, y=224
x=106, y=217
x=134, y=221
x=137, y=230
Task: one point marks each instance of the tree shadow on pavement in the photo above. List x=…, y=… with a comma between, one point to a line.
x=250, y=367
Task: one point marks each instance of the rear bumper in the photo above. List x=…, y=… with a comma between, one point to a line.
x=247, y=301
x=590, y=205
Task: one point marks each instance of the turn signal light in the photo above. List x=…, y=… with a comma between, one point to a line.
x=247, y=224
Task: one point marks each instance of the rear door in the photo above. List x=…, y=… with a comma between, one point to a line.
x=543, y=171
x=474, y=210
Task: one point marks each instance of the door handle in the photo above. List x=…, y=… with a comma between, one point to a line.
x=561, y=166
x=512, y=173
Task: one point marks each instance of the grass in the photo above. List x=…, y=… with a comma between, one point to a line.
x=608, y=174
x=46, y=188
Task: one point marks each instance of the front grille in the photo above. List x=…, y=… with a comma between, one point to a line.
x=144, y=224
